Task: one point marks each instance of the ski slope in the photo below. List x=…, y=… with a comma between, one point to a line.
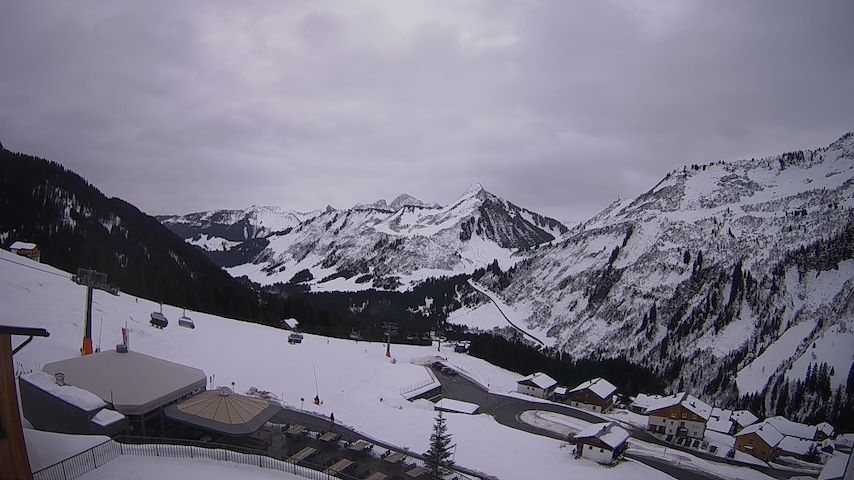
x=354, y=379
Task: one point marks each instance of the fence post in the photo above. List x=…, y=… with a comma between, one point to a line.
x=64, y=475
x=94, y=464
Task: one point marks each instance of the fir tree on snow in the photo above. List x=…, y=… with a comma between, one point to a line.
x=438, y=456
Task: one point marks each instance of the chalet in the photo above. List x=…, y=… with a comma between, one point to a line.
x=682, y=415
x=759, y=440
x=537, y=385
x=797, y=448
x=793, y=429
x=601, y=442
x=26, y=249
x=596, y=395
x=640, y=403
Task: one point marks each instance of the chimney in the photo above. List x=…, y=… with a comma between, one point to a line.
x=59, y=378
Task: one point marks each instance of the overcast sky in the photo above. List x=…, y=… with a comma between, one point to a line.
x=559, y=106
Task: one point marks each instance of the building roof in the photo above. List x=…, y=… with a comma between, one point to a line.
x=719, y=425
x=826, y=428
x=598, y=386
x=107, y=417
x=291, y=322
x=643, y=400
x=765, y=431
x=744, y=418
x=690, y=402
x=450, y=405
x=22, y=246
x=609, y=433
x=80, y=398
x=540, y=380
x=794, y=429
x=721, y=414
x=560, y=391
x=133, y=382
x=224, y=411
x=795, y=445
x=835, y=468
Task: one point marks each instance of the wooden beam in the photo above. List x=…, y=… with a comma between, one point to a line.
x=14, y=462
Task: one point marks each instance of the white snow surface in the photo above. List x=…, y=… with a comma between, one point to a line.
x=47, y=448
x=456, y=406
x=107, y=417
x=609, y=433
x=80, y=398
x=128, y=467
x=601, y=387
x=355, y=379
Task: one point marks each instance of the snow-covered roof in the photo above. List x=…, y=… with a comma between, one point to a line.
x=107, y=417
x=80, y=398
x=643, y=400
x=456, y=406
x=719, y=425
x=291, y=322
x=795, y=445
x=133, y=382
x=721, y=414
x=690, y=402
x=744, y=418
x=560, y=391
x=766, y=432
x=540, y=380
x=609, y=433
x=599, y=386
x=826, y=428
x=22, y=246
x=794, y=429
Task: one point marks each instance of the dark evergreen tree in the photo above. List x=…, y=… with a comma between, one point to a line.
x=438, y=457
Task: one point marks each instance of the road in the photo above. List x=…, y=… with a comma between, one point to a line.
x=506, y=411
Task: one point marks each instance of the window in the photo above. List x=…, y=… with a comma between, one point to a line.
x=684, y=415
x=601, y=451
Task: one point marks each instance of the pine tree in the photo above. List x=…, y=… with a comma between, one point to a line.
x=438, y=457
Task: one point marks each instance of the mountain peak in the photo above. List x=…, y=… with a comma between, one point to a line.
x=405, y=199
x=473, y=190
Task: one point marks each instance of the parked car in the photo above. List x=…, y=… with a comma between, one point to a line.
x=295, y=338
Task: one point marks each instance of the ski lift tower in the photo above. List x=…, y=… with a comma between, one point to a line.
x=91, y=279
x=390, y=329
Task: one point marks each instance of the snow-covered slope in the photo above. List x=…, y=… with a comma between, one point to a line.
x=355, y=380
x=377, y=245
x=713, y=266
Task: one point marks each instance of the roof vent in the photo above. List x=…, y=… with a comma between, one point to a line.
x=121, y=348
x=59, y=378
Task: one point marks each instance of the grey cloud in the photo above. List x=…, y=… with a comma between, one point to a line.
x=558, y=106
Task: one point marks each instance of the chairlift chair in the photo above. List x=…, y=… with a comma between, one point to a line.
x=158, y=320
x=186, y=321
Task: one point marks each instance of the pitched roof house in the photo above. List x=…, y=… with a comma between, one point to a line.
x=596, y=395
x=682, y=415
x=601, y=442
x=537, y=385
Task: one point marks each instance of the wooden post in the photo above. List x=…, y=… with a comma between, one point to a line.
x=14, y=463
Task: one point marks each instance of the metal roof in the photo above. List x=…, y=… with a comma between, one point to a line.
x=224, y=411
x=133, y=382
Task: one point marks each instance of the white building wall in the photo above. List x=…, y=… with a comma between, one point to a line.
x=586, y=406
x=694, y=429
x=601, y=455
x=533, y=391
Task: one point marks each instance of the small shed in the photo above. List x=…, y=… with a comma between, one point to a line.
x=26, y=249
x=601, y=442
x=825, y=431
x=290, y=324
x=537, y=385
x=596, y=395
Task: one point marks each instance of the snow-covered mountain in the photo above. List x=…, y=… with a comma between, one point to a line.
x=744, y=266
x=380, y=245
